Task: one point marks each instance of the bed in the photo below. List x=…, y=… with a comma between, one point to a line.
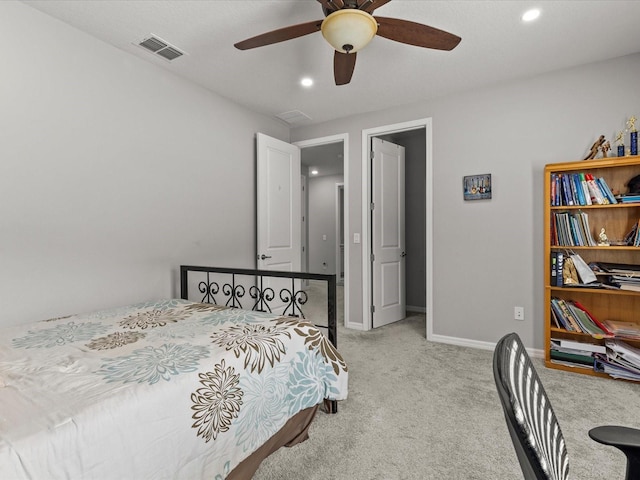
x=173, y=388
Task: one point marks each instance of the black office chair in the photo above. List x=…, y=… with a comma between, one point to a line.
x=532, y=424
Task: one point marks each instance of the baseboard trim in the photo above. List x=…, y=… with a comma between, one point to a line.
x=411, y=308
x=354, y=326
x=466, y=342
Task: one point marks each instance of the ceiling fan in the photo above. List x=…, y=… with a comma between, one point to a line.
x=349, y=26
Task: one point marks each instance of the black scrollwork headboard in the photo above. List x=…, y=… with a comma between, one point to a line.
x=268, y=291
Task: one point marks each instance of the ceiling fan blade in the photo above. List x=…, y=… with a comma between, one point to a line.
x=280, y=35
x=371, y=5
x=343, y=65
x=417, y=34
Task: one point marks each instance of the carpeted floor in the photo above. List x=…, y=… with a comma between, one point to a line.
x=422, y=410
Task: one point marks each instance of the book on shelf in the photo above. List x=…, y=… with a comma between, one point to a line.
x=560, y=269
x=585, y=276
x=572, y=346
x=620, y=268
x=633, y=237
x=571, y=230
x=577, y=189
x=585, y=189
x=618, y=276
x=574, y=354
x=606, y=331
x=571, y=359
x=606, y=190
x=575, y=318
x=620, y=361
x=628, y=198
x=622, y=329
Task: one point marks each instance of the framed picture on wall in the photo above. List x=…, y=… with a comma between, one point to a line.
x=476, y=187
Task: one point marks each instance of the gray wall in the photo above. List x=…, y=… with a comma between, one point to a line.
x=322, y=221
x=488, y=254
x=113, y=172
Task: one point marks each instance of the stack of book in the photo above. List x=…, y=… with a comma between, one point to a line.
x=623, y=329
x=574, y=317
x=575, y=354
x=620, y=360
x=623, y=276
x=628, y=198
x=571, y=230
x=579, y=189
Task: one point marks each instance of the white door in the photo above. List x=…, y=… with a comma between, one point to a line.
x=388, y=239
x=278, y=205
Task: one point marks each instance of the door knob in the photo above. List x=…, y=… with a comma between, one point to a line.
x=264, y=257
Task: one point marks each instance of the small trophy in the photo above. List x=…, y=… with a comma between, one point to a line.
x=620, y=142
x=633, y=135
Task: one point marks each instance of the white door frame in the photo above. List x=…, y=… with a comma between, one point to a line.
x=367, y=134
x=304, y=263
x=344, y=138
x=339, y=216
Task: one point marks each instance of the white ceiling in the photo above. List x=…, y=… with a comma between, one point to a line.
x=496, y=47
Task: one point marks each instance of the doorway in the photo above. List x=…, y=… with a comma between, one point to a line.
x=326, y=220
x=416, y=137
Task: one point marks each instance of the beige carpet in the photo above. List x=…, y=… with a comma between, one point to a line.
x=421, y=410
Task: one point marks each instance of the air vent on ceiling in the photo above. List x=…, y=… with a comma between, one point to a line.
x=293, y=116
x=161, y=48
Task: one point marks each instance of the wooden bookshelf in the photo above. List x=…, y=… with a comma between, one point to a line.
x=617, y=219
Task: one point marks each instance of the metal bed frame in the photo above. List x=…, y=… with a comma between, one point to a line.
x=231, y=293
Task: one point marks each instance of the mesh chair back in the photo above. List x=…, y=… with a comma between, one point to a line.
x=533, y=426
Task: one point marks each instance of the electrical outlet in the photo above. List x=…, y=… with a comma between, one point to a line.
x=518, y=313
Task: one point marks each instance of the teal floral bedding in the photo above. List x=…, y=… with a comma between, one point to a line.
x=166, y=389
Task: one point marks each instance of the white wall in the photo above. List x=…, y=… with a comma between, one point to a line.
x=488, y=254
x=113, y=172
x=322, y=222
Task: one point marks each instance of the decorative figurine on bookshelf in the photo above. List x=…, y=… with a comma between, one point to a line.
x=599, y=145
x=620, y=143
x=602, y=236
x=633, y=135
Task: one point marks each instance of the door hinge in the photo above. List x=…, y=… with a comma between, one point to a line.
x=372, y=154
x=373, y=257
x=373, y=308
x=372, y=206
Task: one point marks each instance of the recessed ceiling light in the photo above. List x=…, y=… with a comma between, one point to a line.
x=530, y=15
x=314, y=172
x=306, y=82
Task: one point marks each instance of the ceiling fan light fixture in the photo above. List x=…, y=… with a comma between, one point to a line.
x=349, y=30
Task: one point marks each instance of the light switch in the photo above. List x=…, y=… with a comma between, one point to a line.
x=356, y=238
x=324, y=237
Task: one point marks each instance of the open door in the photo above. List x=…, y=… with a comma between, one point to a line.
x=388, y=236
x=278, y=205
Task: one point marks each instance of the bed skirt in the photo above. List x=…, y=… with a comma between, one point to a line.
x=295, y=431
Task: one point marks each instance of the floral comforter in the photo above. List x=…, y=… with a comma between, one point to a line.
x=167, y=389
